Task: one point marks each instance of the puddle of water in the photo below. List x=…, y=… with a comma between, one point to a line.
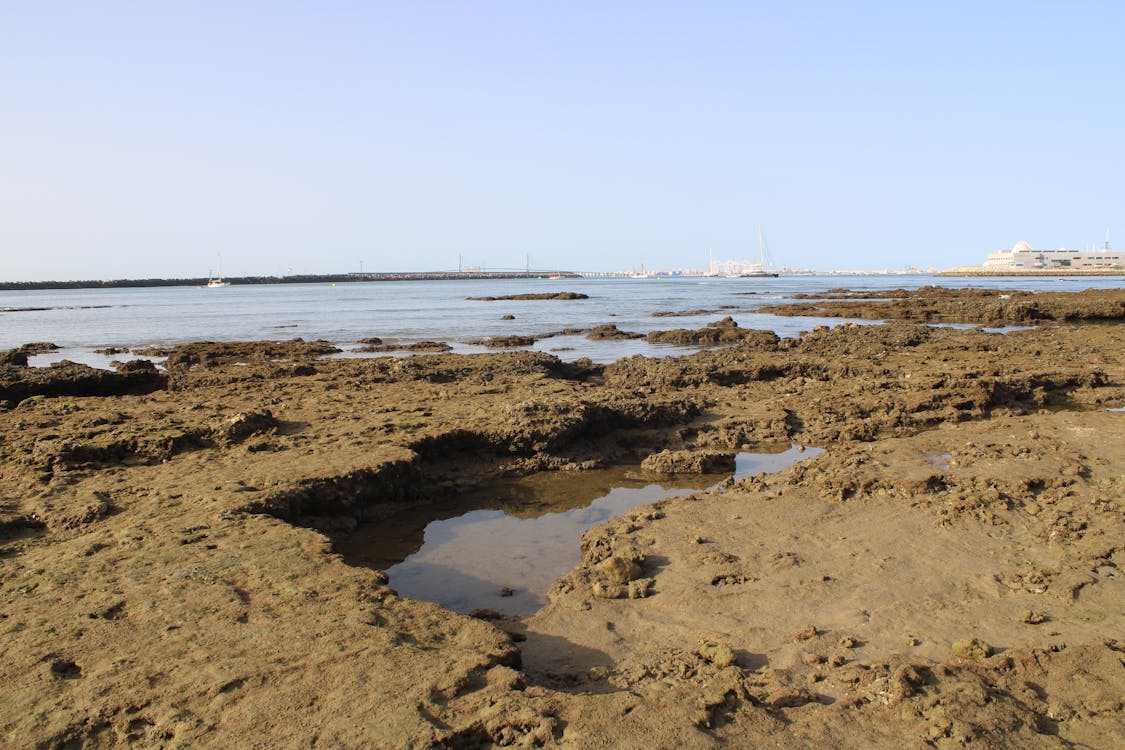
x=83, y=356
x=749, y=464
x=520, y=536
x=1007, y=329
x=985, y=329
x=941, y=462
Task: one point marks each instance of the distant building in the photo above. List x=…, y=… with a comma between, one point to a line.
x=1024, y=257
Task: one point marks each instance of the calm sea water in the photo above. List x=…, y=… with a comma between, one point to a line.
x=82, y=320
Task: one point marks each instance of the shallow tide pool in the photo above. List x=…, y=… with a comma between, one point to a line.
x=520, y=535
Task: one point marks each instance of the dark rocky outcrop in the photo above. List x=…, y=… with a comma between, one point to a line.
x=611, y=332
x=537, y=296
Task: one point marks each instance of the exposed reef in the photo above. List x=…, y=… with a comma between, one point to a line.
x=940, y=304
x=533, y=296
x=949, y=572
x=725, y=331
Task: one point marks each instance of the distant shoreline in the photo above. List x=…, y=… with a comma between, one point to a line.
x=9, y=286
x=340, y=278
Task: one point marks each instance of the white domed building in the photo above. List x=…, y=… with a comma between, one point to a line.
x=1022, y=257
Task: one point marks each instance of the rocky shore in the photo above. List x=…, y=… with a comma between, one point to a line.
x=950, y=572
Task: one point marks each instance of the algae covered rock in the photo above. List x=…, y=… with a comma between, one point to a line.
x=619, y=570
x=718, y=654
x=971, y=648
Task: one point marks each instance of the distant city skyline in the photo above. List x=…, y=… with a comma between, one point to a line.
x=146, y=140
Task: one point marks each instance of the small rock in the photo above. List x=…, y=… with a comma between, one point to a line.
x=245, y=424
x=971, y=648
x=640, y=588
x=506, y=591
x=608, y=591
x=619, y=570
x=805, y=633
x=598, y=672
x=718, y=654
x=66, y=669
x=1031, y=617
x=611, y=332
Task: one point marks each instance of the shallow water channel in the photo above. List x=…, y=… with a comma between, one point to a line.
x=501, y=548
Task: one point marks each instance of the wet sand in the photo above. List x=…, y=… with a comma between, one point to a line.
x=950, y=570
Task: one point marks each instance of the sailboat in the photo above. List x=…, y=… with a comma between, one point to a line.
x=758, y=270
x=218, y=280
x=711, y=271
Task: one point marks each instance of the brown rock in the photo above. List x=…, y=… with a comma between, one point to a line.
x=971, y=648
x=611, y=332
x=619, y=570
x=689, y=462
x=718, y=654
x=508, y=342
x=805, y=633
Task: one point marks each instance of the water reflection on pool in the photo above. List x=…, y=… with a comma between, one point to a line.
x=521, y=535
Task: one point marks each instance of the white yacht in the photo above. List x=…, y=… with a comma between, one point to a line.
x=217, y=281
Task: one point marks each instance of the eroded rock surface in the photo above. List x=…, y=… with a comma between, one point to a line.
x=167, y=576
x=942, y=304
x=533, y=296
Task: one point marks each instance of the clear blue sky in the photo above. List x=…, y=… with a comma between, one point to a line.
x=143, y=139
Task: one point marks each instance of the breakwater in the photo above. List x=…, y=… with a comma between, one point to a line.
x=335, y=278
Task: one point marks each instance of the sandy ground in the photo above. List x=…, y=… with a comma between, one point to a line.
x=950, y=571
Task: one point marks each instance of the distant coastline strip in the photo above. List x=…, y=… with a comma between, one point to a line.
x=298, y=279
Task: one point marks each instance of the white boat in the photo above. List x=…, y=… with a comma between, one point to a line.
x=758, y=270
x=212, y=283
x=711, y=269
